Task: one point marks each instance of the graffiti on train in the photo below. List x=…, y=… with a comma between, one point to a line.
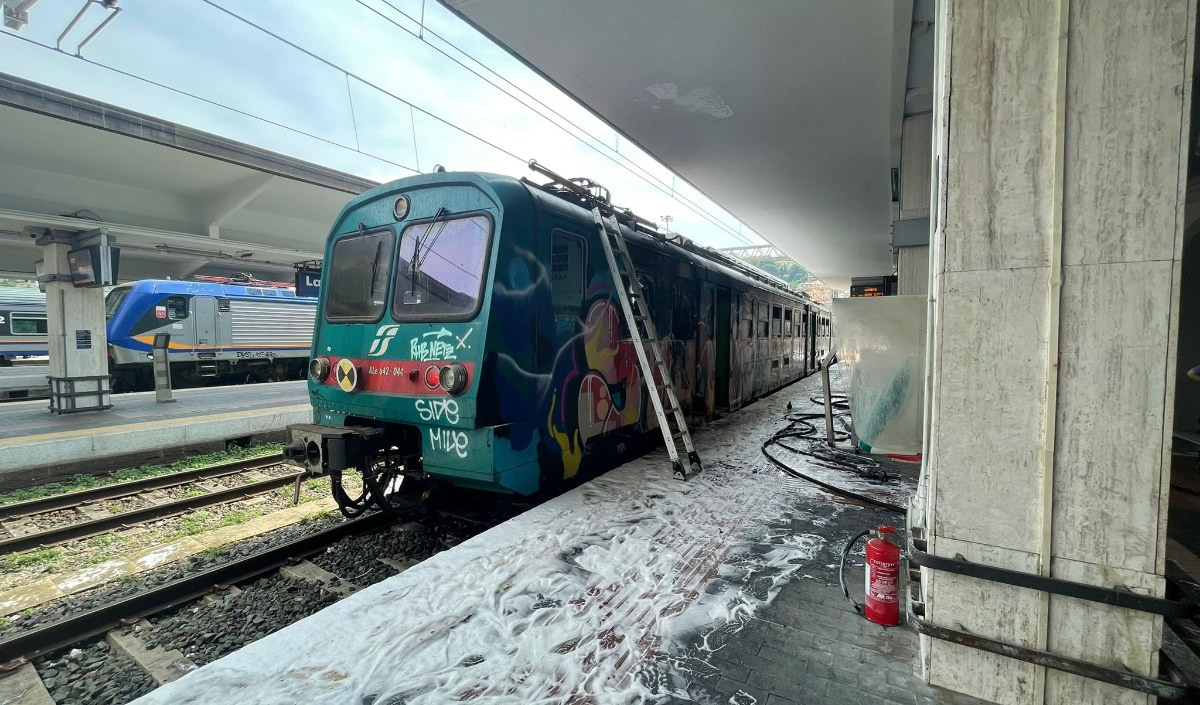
x=448, y=440
x=438, y=410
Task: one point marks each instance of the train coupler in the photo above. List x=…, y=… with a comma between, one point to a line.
x=323, y=449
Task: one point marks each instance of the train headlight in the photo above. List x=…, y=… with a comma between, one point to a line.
x=401, y=208
x=454, y=378
x=318, y=367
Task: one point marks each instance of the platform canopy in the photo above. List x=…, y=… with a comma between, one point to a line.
x=785, y=112
x=178, y=202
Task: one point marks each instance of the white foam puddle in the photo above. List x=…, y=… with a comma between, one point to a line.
x=587, y=599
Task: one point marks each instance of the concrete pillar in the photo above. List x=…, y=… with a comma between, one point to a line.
x=912, y=270
x=1061, y=134
x=75, y=325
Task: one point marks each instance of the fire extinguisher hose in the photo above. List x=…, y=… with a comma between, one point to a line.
x=842, y=569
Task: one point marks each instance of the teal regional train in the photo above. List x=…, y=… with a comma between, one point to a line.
x=469, y=333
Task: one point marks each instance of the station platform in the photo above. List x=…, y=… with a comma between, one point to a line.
x=21, y=381
x=633, y=587
x=33, y=437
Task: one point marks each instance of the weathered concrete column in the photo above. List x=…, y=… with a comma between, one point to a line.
x=1060, y=139
x=75, y=325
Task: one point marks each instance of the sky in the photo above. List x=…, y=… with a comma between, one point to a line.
x=377, y=88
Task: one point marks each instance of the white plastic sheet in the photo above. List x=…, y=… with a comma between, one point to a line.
x=881, y=346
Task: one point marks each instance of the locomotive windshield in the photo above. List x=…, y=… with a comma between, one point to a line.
x=441, y=268
x=113, y=301
x=358, y=274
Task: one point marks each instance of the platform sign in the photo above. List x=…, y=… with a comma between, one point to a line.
x=308, y=282
x=857, y=291
x=94, y=265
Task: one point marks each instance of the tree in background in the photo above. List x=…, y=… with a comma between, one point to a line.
x=797, y=277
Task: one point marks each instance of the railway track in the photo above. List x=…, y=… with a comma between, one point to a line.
x=71, y=531
x=149, y=619
x=69, y=630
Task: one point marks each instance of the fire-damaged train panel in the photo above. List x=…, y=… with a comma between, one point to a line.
x=469, y=332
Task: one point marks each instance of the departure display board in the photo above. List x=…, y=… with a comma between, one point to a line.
x=856, y=291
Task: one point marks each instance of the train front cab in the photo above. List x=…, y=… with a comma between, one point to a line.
x=399, y=374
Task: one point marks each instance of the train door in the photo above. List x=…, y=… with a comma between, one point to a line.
x=723, y=342
x=706, y=357
x=810, y=339
x=204, y=319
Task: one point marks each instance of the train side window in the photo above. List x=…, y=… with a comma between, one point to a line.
x=776, y=317
x=27, y=324
x=684, y=316
x=222, y=303
x=177, y=308
x=748, y=317
x=648, y=302
x=787, y=322
x=764, y=324
x=568, y=257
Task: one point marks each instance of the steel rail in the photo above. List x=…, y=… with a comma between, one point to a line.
x=40, y=640
x=85, y=529
x=122, y=489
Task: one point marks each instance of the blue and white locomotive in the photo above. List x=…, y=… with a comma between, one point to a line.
x=219, y=332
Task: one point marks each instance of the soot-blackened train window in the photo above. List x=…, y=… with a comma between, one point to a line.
x=177, y=308
x=440, y=271
x=358, y=276
x=567, y=265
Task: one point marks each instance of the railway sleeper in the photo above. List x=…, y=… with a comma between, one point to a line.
x=163, y=665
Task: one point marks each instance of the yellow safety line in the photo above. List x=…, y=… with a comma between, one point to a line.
x=142, y=425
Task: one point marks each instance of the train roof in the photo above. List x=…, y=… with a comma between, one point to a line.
x=228, y=291
x=647, y=235
x=635, y=229
x=21, y=296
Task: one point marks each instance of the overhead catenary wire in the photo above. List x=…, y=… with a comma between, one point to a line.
x=209, y=101
x=316, y=57
x=645, y=175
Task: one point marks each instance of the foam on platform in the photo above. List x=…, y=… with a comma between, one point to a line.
x=589, y=594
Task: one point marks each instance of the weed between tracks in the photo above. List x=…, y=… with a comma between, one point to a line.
x=29, y=559
x=201, y=521
x=87, y=482
x=24, y=568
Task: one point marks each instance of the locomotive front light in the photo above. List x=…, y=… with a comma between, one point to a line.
x=432, y=377
x=401, y=208
x=454, y=378
x=318, y=367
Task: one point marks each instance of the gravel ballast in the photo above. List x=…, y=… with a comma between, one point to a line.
x=92, y=674
x=207, y=630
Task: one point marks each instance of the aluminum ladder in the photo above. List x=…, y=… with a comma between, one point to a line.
x=671, y=420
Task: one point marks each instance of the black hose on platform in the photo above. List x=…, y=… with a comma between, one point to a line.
x=842, y=568
x=802, y=427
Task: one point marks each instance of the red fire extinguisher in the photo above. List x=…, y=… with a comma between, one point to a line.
x=883, y=577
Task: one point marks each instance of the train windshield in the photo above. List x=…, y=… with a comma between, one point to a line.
x=441, y=268
x=112, y=302
x=358, y=274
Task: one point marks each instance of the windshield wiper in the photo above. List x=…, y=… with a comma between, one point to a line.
x=411, y=296
x=362, y=231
